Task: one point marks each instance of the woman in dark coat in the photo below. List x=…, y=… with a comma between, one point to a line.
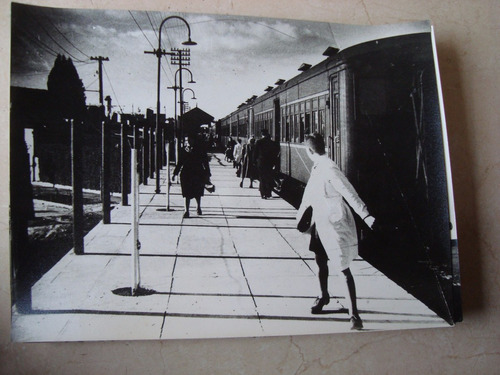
x=194, y=172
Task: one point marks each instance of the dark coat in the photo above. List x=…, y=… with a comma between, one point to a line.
x=266, y=158
x=266, y=153
x=194, y=172
x=249, y=169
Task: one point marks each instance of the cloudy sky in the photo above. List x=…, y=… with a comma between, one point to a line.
x=234, y=59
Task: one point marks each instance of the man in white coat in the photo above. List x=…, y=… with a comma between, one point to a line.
x=237, y=155
x=333, y=233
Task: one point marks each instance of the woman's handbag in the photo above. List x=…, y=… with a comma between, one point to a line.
x=305, y=221
x=210, y=187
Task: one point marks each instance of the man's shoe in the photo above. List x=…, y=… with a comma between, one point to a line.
x=186, y=215
x=319, y=303
x=356, y=323
x=198, y=211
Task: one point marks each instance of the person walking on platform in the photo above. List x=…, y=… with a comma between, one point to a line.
x=194, y=172
x=237, y=156
x=266, y=154
x=229, y=150
x=333, y=229
x=248, y=167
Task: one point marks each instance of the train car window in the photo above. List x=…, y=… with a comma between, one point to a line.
x=321, y=122
x=335, y=83
x=302, y=129
x=307, y=128
x=287, y=128
x=296, y=128
x=315, y=121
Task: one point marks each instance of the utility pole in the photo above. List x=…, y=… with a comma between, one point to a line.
x=181, y=57
x=105, y=157
x=159, y=53
x=100, y=59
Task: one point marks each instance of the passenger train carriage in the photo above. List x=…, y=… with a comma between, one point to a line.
x=377, y=106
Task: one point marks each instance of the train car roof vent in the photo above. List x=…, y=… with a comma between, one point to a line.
x=305, y=67
x=331, y=51
x=268, y=88
x=279, y=82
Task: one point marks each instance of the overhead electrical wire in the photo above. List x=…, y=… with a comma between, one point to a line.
x=112, y=89
x=41, y=44
x=151, y=23
x=65, y=38
x=55, y=41
x=140, y=28
x=157, y=38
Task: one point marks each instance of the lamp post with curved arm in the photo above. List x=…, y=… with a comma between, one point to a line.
x=175, y=88
x=159, y=53
x=183, y=91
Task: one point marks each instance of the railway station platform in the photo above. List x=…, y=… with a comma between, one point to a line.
x=239, y=269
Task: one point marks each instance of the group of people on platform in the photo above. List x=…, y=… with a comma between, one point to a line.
x=255, y=160
x=325, y=211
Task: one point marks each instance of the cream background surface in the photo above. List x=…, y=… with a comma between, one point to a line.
x=468, y=45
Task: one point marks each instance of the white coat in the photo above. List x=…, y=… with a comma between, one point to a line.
x=238, y=152
x=327, y=191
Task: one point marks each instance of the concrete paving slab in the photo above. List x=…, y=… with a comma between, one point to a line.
x=269, y=268
x=275, y=327
x=120, y=326
x=206, y=327
x=214, y=306
x=269, y=243
x=207, y=267
x=298, y=308
x=157, y=239
x=38, y=327
x=395, y=310
x=66, y=285
x=210, y=285
x=205, y=240
x=291, y=286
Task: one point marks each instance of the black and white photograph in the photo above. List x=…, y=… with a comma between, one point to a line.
x=184, y=176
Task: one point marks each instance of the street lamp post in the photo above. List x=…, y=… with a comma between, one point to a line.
x=159, y=53
x=175, y=88
x=183, y=91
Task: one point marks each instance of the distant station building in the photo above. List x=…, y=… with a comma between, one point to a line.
x=196, y=121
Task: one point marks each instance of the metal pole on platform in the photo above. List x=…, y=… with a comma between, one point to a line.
x=168, y=175
x=77, y=182
x=105, y=175
x=124, y=163
x=136, y=276
x=145, y=155
x=176, y=144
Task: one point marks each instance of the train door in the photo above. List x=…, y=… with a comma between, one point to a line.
x=277, y=127
x=277, y=120
x=335, y=140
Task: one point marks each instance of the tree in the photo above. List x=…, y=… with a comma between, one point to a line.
x=66, y=89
